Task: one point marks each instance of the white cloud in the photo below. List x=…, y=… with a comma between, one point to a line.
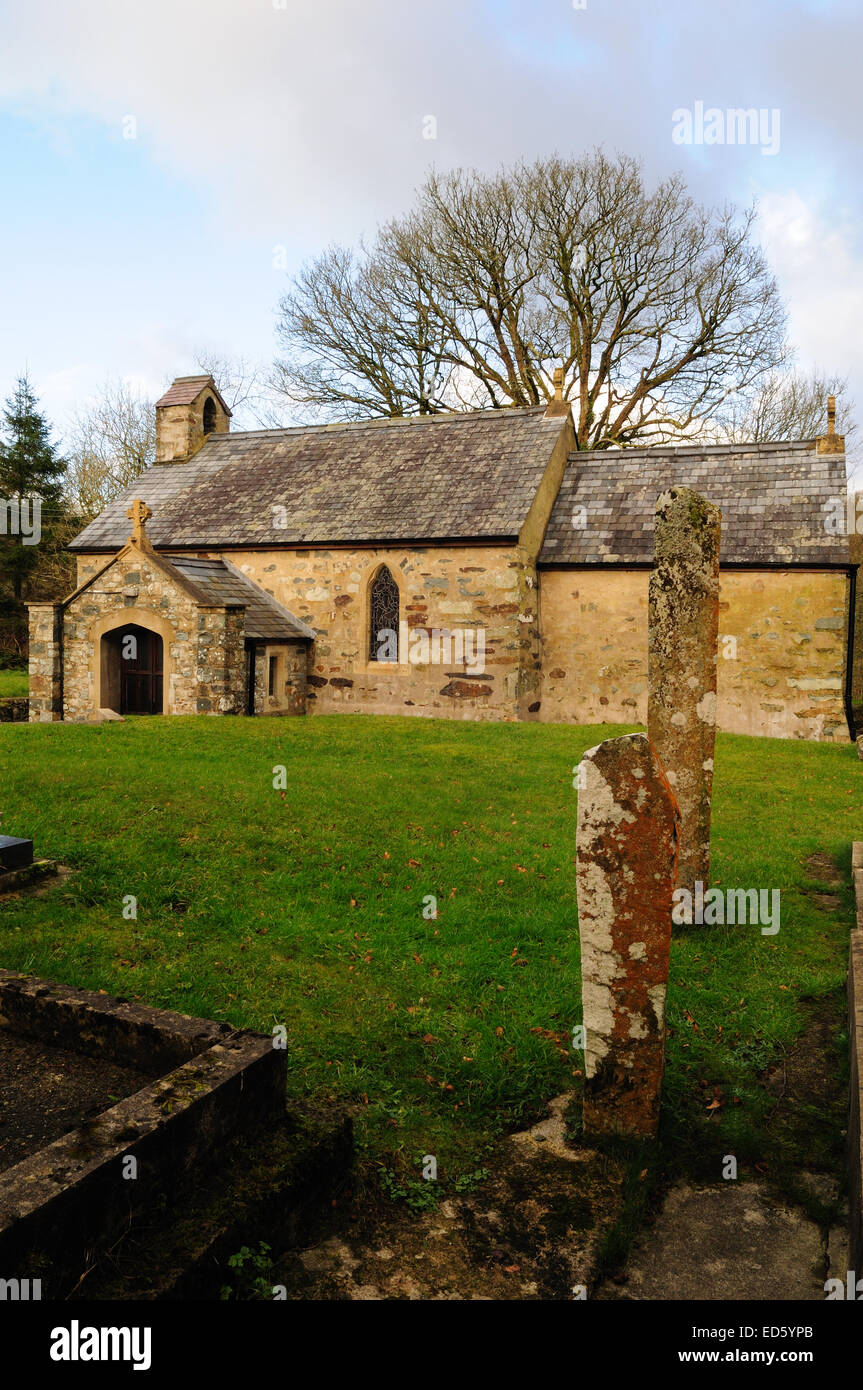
x=311, y=114
x=304, y=125
x=306, y=122
x=820, y=271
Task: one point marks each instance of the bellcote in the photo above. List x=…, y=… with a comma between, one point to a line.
x=190, y=410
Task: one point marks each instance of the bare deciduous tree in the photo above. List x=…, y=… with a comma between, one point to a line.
x=245, y=388
x=113, y=438
x=789, y=405
x=656, y=308
x=110, y=442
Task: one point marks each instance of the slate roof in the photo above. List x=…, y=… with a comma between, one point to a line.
x=186, y=389
x=219, y=582
x=773, y=499
x=468, y=476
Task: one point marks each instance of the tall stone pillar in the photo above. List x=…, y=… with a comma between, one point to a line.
x=683, y=630
x=46, y=662
x=221, y=659
x=626, y=844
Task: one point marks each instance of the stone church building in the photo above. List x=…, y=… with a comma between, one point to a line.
x=471, y=566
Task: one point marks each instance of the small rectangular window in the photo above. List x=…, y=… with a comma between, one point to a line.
x=274, y=661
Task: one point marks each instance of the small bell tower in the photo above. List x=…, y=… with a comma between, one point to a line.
x=190, y=410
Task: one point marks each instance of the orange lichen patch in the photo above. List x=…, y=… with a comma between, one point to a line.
x=628, y=833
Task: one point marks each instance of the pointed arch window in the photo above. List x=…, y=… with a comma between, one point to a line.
x=383, y=617
x=209, y=415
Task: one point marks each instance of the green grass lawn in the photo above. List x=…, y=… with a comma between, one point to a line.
x=305, y=907
x=14, y=683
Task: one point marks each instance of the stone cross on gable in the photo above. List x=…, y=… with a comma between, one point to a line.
x=139, y=514
x=831, y=442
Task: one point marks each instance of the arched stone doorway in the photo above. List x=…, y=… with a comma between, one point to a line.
x=132, y=670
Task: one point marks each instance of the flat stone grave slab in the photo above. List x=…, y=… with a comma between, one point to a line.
x=751, y=1244
x=15, y=853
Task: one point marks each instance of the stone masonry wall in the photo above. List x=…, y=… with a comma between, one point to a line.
x=204, y=658
x=221, y=660
x=493, y=588
x=45, y=673
x=289, y=696
x=15, y=710
x=785, y=681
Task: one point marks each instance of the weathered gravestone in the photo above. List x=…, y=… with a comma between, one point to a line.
x=683, y=630
x=627, y=843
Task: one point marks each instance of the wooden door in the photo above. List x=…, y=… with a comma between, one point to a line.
x=140, y=671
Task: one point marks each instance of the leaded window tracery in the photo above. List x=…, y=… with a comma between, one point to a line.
x=383, y=617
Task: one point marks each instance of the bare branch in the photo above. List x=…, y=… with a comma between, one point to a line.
x=656, y=308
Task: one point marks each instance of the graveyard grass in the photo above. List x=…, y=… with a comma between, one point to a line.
x=306, y=908
x=14, y=683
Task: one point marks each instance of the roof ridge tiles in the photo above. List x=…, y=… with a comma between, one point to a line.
x=715, y=450
x=385, y=422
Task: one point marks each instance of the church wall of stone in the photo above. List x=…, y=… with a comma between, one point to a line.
x=221, y=669
x=780, y=675
x=289, y=697
x=469, y=588
x=788, y=678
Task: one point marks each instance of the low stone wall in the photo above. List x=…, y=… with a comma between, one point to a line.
x=855, y=1042
x=70, y=1201
x=46, y=630
x=15, y=711
x=82, y=1020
